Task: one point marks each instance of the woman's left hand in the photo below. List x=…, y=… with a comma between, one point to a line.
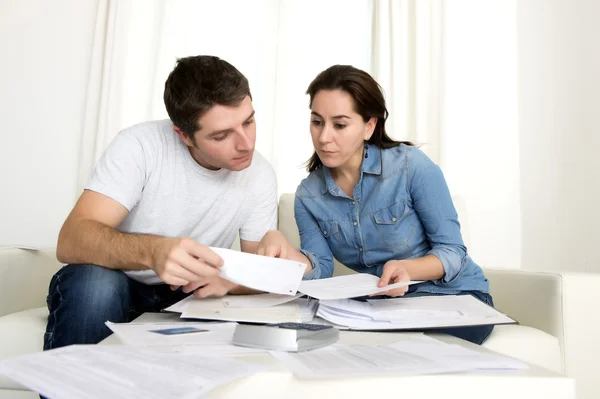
x=274, y=245
x=393, y=272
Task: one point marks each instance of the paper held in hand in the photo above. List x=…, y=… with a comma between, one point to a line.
x=350, y=286
x=279, y=276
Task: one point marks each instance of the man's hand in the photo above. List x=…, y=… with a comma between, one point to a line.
x=275, y=245
x=393, y=272
x=179, y=261
x=208, y=286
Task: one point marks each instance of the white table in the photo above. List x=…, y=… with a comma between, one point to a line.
x=279, y=382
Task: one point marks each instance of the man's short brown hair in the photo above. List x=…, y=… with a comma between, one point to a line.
x=197, y=84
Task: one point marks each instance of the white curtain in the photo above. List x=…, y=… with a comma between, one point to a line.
x=407, y=60
x=280, y=46
x=122, y=82
x=421, y=52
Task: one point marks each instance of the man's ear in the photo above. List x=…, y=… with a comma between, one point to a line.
x=371, y=123
x=183, y=136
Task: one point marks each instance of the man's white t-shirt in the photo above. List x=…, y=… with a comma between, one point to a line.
x=150, y=171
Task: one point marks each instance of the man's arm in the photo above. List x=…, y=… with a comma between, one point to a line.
x=89, y=236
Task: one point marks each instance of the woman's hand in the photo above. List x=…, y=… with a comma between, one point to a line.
x=275, y=245
x=393, y=272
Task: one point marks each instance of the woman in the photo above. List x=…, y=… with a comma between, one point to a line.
x=378, y=205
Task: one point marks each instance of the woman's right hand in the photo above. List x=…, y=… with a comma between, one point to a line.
x=275, y=245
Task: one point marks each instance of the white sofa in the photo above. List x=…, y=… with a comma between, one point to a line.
x=558, y=316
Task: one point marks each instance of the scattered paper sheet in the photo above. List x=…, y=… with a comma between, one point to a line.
x=118, y=371
x=208, y=339
x=456, y=354
x=412, y=356
x=345, y=361
x=411, y=313
x=279, y=276
x=297, y=311
x=180, y=306
x=350, y=286
x=257, y=301
x=178, y=333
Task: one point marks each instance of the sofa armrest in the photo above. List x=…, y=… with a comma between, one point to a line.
x=533, y=299
x=563, y=304
x=24, y=278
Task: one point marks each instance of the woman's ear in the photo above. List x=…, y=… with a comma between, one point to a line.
x=370, y=128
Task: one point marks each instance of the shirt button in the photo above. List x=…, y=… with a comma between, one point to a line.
x=353, y=202
x=360, y=249
x=355, y=223
x=324, y=232
x=393, y=219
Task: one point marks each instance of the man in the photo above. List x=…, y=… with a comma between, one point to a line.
x=163, y=192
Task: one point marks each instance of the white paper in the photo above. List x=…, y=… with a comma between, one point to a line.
x=257, y=301
x=345, y=361
x=297, y=311
x=458, y=355
x=214, y=339
x=350, y=286
x=411, y=313
x=409, y=356
x=180, y=306
x=143, y=334
x=263, y=273
x=118, y=371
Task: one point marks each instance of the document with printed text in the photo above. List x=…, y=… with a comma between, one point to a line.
x=119, y=371
x=278, y=276
x=350, y=286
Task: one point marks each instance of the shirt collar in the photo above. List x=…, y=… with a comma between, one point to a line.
x=370, y=165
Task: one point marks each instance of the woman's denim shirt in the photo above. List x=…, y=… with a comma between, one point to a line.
x=401, y=209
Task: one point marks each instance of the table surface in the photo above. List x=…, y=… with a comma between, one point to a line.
x=279, y=382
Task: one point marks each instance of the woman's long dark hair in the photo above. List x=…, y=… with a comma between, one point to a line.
x=368, y=102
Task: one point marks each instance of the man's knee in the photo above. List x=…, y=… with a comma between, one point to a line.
x=81, y=299
x=90, y=287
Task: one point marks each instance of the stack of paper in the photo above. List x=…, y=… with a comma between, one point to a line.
x=282, y=278
x=411, y=313
x=118, y=371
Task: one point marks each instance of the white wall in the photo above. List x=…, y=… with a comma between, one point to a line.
x=480, y=148
x=46, y=48
x=559, y=123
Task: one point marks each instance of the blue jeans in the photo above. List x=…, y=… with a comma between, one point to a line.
x=82, y=298
x=475, y=334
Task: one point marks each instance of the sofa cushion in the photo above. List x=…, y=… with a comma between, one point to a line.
x=528, y=344
x=22, y=333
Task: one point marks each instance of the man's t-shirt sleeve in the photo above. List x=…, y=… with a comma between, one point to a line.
x=120, y=173
x=263, y=216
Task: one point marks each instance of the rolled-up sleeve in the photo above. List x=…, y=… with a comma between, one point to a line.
x=312, y=242
x=433, y=204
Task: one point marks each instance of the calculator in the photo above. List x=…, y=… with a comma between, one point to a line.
x=287, y=337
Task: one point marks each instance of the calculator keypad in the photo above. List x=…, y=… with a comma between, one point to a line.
x=302, y=326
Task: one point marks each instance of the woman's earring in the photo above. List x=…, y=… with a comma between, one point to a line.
x=366, y=149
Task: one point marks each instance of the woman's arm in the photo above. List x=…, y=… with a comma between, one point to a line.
x=312, y=243
x=432, y=202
